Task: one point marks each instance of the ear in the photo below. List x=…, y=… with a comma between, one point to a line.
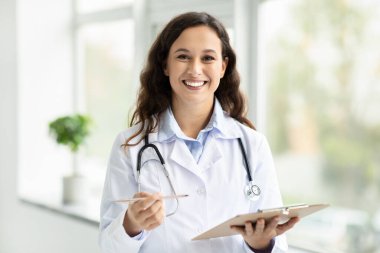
x=224, y=66
x=165, y=69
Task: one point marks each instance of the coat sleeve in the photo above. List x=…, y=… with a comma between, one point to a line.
x=264, y=174
x=119, y=183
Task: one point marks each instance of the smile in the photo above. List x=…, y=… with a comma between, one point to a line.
x=194, y=83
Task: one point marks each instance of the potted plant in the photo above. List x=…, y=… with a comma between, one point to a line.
x=72, y=131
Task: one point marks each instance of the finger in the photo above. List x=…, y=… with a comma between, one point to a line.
x=153, y=209
x=138, y=207
x=286, y=226
x=144, y=216
x=260, y=225
x=156, y=218
x=238, y=229
x=138, y=204
x=133, y=213
x=272, y=224
x=143, y=204
x=152, y=199
x=249, y=228
x=153, y=226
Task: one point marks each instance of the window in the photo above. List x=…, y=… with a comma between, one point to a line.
x=106, y=61
x=69, y=62
x=320, y=62
x=86, y=6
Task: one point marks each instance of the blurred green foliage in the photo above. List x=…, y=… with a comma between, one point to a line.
x=347, y=143
x=71, y=130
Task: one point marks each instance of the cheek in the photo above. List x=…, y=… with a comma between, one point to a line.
x=173, y=80
x=217, y=72
x=173, y=70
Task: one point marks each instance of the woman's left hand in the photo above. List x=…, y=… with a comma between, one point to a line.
x=259, y=237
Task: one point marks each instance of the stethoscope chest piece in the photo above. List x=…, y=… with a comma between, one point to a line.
x=252, y=191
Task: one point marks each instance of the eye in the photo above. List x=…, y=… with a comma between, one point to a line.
x=183, y=57
x=208, y=58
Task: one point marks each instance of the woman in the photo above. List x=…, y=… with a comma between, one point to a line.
x=190, y=107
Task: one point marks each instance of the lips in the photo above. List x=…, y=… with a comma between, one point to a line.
x=194, y=83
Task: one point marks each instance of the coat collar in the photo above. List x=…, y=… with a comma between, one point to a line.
x=211, y=155
x=220, y=124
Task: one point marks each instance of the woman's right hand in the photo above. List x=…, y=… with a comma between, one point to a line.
x=145, y=214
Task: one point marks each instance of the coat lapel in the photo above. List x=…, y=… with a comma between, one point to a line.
x=180, y=154
x=211, y=154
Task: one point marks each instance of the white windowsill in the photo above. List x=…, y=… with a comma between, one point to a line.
x=87, y=212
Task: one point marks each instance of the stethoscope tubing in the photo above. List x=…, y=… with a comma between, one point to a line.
x=249, y=186
x=139, y=155
x=150, y=145
x=247, y=167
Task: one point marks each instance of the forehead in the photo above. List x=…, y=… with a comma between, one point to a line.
x=198, y=38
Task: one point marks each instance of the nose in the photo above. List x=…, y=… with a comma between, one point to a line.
x=195, y=67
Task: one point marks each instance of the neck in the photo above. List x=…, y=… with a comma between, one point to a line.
x=192, y=118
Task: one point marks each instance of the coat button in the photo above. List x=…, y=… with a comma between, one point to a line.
x=201, y=191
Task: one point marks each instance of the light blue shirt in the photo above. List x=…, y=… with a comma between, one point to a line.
x=170, y=129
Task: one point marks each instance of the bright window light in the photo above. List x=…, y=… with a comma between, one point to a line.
x=106, y=63
x=320, y=62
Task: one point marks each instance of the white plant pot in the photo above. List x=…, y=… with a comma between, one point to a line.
x=74, y=190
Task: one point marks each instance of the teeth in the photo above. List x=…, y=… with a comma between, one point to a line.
x=194, y=84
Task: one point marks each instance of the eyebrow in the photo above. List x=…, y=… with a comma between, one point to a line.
x=188, y=51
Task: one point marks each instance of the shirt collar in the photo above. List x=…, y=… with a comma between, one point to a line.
x=221, y=125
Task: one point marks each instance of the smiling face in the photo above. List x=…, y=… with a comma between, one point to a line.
x=195, y=66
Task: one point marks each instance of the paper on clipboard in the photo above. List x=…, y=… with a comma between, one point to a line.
x=285, y=213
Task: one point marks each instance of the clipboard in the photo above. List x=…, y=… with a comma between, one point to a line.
x=285, y=213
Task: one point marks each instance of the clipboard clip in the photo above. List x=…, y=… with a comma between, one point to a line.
x=285, y=210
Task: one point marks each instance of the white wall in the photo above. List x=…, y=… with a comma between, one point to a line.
x=24, y=228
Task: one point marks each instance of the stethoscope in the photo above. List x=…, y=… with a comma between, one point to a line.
x=252, y=191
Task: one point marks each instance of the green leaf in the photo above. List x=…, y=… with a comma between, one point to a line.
x=71, y=130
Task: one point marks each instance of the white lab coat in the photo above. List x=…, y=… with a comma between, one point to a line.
x=215, y=185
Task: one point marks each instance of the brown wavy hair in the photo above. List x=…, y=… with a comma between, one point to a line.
x=155, y=94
